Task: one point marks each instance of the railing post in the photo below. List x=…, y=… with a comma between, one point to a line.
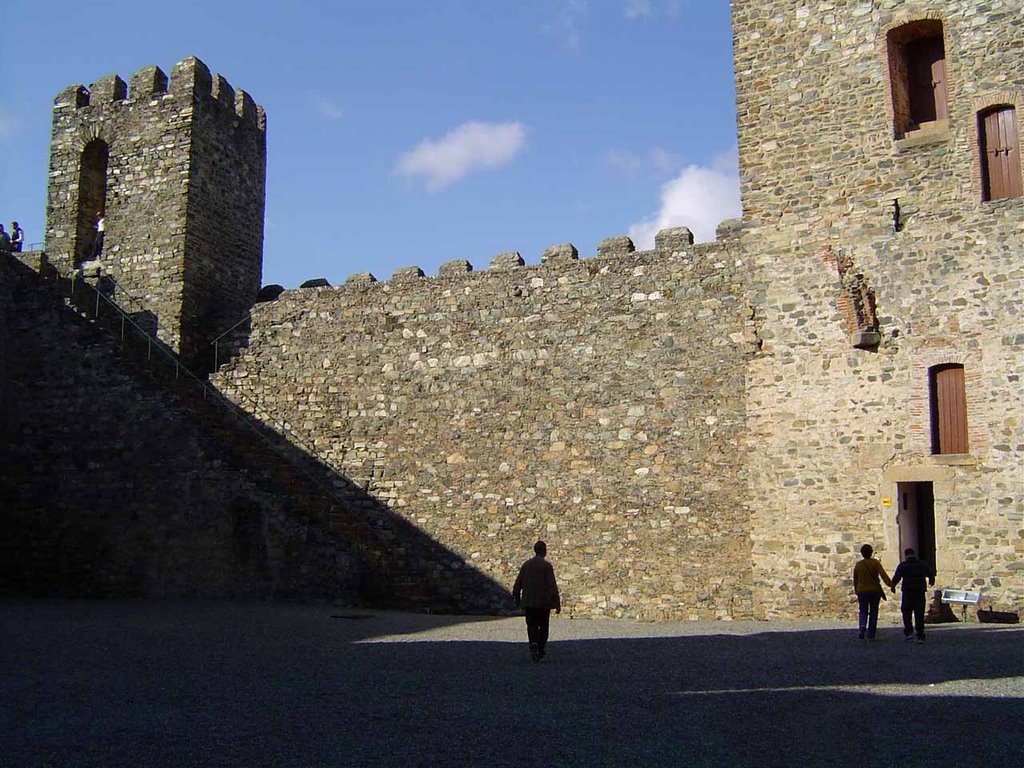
x=97, y=305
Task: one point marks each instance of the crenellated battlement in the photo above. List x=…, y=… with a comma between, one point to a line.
x=674, y=241
x=188, y=245
x=190, y=78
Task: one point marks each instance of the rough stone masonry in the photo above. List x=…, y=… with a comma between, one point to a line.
x=698, y=431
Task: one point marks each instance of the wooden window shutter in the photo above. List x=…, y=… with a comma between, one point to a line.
x=949, y=409
x=1001, y=176
x=939, y=83
x=926, y=79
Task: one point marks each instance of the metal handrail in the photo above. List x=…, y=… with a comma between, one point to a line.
x=118, y=290
x=245, y=319
x=363, y=535
x=209, y=391
x=216, y=342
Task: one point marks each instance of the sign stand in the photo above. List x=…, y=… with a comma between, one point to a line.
x=963, y=598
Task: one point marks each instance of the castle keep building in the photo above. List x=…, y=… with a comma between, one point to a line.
x=878, y=199
x=697, y=431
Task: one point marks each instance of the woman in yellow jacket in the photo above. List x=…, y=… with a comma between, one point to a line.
x=867, y=577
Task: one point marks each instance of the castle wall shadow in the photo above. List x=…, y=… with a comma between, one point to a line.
x=125, y=477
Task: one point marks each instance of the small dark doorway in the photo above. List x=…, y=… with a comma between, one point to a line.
x=92, y=197
x=916, y=519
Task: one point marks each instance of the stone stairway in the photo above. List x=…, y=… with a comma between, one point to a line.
x=326, y=499
x=295, y=474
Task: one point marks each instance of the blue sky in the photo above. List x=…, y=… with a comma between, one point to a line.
x=406, y=133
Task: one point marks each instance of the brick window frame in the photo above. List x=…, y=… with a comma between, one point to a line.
x=919, y=411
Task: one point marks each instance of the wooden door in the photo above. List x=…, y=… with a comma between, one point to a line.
x=1001, y=154
x=949, y=410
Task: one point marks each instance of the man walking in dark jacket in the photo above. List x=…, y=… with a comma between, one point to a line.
x=913, y=573
x=537, y=591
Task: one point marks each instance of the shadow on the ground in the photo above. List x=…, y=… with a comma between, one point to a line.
x=229, y=684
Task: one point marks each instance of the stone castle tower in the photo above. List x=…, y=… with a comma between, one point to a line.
x=698, y=431
x=177, y=169
x=881, y=194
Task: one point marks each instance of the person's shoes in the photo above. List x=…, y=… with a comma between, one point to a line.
x=860, y=636
x=908, y=638
x=534, y=652
x=540, y=653
x=920, y=639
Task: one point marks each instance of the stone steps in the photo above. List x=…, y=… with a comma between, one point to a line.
x=293, y=473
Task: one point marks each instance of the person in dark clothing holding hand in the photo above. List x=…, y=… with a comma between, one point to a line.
x=537, y=591
x=913, y=573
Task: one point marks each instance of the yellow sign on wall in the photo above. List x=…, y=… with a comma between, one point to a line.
x=886, y=502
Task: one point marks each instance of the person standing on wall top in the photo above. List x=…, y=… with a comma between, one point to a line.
x=17, y=237
x=913, y=573
x=537, y=591
x=867, y=577
x=5, y=241
x=101, y=229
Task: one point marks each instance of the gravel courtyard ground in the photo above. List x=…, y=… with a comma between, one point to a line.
x=235, y=684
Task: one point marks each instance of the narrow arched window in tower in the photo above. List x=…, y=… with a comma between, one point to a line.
x=92, y=198
x=917, y=76
x=1000, y=153
x=948, y=399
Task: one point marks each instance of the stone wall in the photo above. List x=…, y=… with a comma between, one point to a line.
x=697, y=431
x=114, y=487
x=834, y=427
x=597, y=404
x=226, y=198
x=183, y=195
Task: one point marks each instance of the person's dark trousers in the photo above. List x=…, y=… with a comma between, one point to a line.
x=868, y=619
x=912, y=607
x=537, y=620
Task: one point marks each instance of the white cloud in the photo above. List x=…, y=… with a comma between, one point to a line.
x=330, y=110
x=658, y=161
x=636, y=9
x=624, y=160
x=700, y=197
x=566, y=24
x=665, y=162
x=9, y=124
x=471, y=147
